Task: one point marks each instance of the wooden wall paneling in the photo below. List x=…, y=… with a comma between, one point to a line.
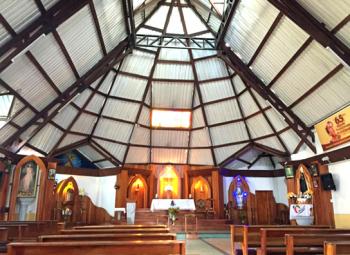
x=265, y=207
x=4, y=182
x=151, y=181
x=217, y=187
x=122, y=191
x=50, y=201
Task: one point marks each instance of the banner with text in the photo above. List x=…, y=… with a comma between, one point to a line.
x=334, y=130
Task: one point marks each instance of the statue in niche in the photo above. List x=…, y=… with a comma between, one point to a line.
x=239, y=197
x=28, y=179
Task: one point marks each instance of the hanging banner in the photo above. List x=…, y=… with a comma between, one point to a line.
x=334, y=130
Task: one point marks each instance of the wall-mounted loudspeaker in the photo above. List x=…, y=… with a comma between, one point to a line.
x=327, y=182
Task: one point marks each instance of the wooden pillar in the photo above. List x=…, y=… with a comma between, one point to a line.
x=50, y=201
x=4, y=182
x=217, y=183
x=186, y=188
x=122, y=190
x=151, y=185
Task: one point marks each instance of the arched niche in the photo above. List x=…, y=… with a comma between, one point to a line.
x=200, y=188
x=138, y=191
x=303, y=173
x=169, y=183
x=244, y=214
x=67, y=196
x=28, y=190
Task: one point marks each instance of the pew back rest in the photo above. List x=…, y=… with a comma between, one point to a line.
x=107, y=237
x=337, y=248
x=114, y=231
x=119, y=226
x=101, y=248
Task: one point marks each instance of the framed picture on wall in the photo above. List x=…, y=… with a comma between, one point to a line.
x=314, y=169
x=51, y=174
x=289, y=171
x=28, y=180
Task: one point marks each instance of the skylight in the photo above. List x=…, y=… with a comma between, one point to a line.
x=5, y=107
x=171, y=119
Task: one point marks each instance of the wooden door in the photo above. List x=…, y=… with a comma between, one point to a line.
x=265, y=207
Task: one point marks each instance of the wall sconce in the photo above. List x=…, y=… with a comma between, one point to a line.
x=137, y=188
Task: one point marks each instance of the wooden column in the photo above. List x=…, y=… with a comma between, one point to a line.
x=217, y=183
x=151, y=186
x=185, y=180
x=122, y=191
x=50, y=202
x=4, y=182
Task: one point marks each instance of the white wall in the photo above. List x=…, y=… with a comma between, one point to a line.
x=100, y=189
x=277, y=185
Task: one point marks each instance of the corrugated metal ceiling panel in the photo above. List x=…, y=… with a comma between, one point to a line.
x=222, y=111
x=70, y=139
x=49, y=3
x=216, y=90
x=234, y=132
x=276, y=119
x=84, y=123
x=331, y=96
x=258, y=126
x=6, y=131
x=121, y=109
x=174, y=26
x=90, y=153
x=210, y=68
x=114, y=130
x=170, y=138
x=285, y=40
x=117, y=150
x=104, y=164
x=96, y=103
x=129, y=87
x=172, y=95
x=110, y=16
x=138, y=62
x=173, y=71
x=174, y=54
x=311, y=66
x=223, y=153
x=192, y=22
x=140, y=136
x=238, y=83
x=137, y=155
x=23, y=77
x=248, y=104
x=23, y=117
x=49, y=55
x=197, y=118
x=200, y=138
x=81, y=99
x=158, y=18
x=144, y=118
x=171, y=156
x=328, y=12
x=4, y=35
x=107, y=83
x=18, y=13
x=272, y=142
x=200, y=157
x=291, y=139
x=66, y=116
x=344, y=34
x=79, y=35
x=46, y=138
x=249, y=25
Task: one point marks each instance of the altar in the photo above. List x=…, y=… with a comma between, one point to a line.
x=165, y=204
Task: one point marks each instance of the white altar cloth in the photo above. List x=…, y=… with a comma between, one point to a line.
x=164, y=204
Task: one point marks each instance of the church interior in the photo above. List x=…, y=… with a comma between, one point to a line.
x=157, y=127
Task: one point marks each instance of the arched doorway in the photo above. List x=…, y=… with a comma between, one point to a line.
x=137, y=191
x=67, y=197
x=169, y=183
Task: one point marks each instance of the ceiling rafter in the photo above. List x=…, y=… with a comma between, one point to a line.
x=7, y=26
x=196, y=85
x=98, y=28
x=226, y=19
x=45, y=24
x=148, y=87
x=313, y=27
x=80, y=112
x=100, y=68
x=253, y=81
x=103, y=151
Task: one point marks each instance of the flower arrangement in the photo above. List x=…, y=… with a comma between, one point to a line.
x=301, y=197
x=173, y=211
x=291, y=195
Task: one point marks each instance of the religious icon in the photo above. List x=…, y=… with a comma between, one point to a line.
x=314, y=169
x=289, y=171
x=52, y=173
x=332, y=132
x=28, y=180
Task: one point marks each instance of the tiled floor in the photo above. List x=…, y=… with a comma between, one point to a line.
x=207, y=244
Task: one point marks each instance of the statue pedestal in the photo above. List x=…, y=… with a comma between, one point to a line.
x=24, y=202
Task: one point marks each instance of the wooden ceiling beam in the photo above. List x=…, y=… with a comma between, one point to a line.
x=254, y=82
x=45, y=24
x=227, y=17
x=294, y=11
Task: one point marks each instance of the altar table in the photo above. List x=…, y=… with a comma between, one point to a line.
x=165, y=204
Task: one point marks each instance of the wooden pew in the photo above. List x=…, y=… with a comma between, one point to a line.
x=27, y=229
x=114, y=231
x=275, y=237
x=15, y=231
x=163, y=247
x=108, y=237
x=249, y=235
x=3, y=239
x=310, y=243
x=119, y=226
x=337, y=248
